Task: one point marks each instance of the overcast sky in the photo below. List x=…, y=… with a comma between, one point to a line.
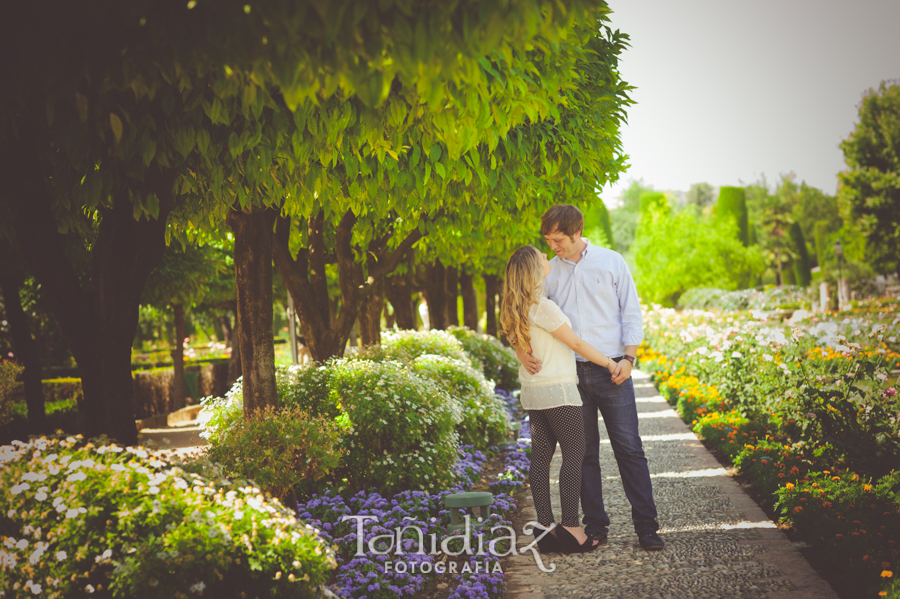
x=730, y=90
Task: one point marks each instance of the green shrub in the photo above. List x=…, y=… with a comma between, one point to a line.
x=397, y=427
x=406, y=346
x=402, y=427
x=81, y=518
x=485, y=419
x=498, y=362
x=308, y=388
x=727, y=431
x=8, y=373
x=284, y=451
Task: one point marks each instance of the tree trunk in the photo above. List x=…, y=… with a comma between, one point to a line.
x=452, y=289
x=234, y=362
x=491, y=288
x=304, y=277
x=470, y=300
x=778, y=262
x=399, y=292
x=178, y=392
x=253, y=286
x=436, y=296
x=24, y=345
x=225, y=323
x=370, y=315
x=98, y=325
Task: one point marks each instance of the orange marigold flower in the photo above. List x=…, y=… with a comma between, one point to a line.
x=835, y=478
x=885, y=564
x=838, y=535
x=798, y=508
x=826, y=504
x=867, y=487
x=795, y=470
x=886, y=574
x=789, y=486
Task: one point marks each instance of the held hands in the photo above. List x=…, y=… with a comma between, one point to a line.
x=621, y=372
x=531, y=364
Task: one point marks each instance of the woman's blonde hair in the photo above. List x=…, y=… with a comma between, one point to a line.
x=523, y=288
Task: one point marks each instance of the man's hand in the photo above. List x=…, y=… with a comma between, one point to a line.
x=531, y=364
x=622, y=372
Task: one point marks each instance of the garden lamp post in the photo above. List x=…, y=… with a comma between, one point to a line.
x=839, y=252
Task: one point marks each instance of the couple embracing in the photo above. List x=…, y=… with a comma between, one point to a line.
x=575, y=322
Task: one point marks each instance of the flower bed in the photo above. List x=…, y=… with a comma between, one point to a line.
x=368, y=563
x=394, y=415
x=81, y=518
x=808, y=413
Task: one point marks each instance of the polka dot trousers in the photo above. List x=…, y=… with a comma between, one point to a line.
x=563, y=424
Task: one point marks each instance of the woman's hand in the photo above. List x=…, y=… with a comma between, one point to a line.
x=531, y=364
x=611, y=366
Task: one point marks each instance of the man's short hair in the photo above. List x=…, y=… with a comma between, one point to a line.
x=565, y=218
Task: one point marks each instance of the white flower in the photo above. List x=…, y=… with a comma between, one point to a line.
x=71, y=513
x=19, y=488
x=736, y=354
x=61, y=555
x=34, y=588
x=198, y=588
x=40, y=496
x=89, y=588
x=22, y=544
x=78, y=476
x=767, y=357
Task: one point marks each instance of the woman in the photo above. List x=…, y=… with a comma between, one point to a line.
x=536, y=324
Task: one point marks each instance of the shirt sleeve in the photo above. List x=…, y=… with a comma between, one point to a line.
x=629, y=307
x=548, y=316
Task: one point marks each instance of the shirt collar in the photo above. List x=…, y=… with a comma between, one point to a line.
x=584, y=252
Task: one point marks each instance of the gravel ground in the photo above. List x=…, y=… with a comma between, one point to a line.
x=719, y=544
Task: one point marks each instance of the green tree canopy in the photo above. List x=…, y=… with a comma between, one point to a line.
x=114, y=116
x=870, y=188
x=678, y=251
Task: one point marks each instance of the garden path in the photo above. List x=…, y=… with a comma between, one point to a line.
x=719, y=543
x=181, y=439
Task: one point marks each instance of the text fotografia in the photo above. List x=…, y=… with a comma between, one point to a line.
x=399, y=541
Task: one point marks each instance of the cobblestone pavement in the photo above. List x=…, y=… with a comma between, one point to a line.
x=719, y=544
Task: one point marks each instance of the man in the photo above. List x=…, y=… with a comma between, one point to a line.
x=595, y=289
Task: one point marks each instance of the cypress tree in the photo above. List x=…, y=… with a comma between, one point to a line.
x=821, y=238
x=802, y=274
x=733, y=202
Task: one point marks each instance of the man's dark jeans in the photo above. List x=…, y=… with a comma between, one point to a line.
x=616, y=404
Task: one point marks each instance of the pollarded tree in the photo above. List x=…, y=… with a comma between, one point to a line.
x=182, y=278
x=544, y=129
x=870, y=189
x=109, y=113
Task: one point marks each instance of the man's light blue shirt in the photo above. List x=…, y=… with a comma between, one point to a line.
x=599, y=296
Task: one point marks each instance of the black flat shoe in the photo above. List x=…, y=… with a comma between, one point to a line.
x=548, y=542
x=569, y=544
